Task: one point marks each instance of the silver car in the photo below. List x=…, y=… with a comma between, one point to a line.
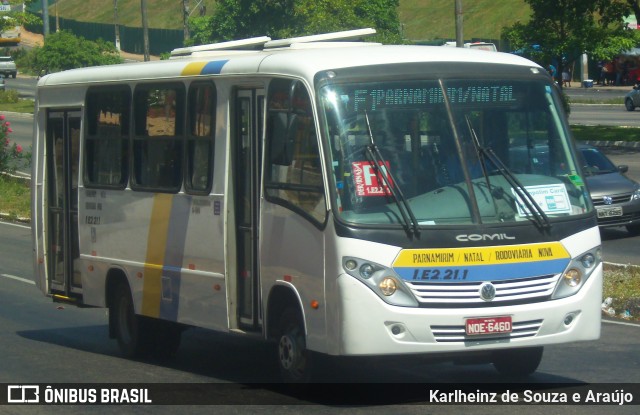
x=615, y=196
x=632, y=99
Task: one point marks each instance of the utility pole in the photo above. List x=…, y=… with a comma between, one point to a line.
x=117, y=26
x=57, y=18
x=45, y=17
x=459, y=35
x=145, y=30
x=185, y=18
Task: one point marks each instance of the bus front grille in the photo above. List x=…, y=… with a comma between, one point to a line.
x=467, y=294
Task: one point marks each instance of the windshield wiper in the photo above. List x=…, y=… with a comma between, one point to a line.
x=408, y=217
x=536, y=211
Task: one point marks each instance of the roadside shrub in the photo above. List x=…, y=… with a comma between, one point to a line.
x=12, y=156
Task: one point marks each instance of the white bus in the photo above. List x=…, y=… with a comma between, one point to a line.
x=337, y=198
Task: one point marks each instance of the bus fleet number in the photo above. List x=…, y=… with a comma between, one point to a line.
x=440, y=274
x=92, y=220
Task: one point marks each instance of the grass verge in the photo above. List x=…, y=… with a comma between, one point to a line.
x=621, y=291
x=601, y=101
x=605, y=133
x=15, y=203
x=23, y=105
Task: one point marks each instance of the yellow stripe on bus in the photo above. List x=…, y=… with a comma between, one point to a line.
x=156, y=248
x=486, y=255
x=193, y=68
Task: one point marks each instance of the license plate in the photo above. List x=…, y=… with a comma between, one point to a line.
x=607, y=212
x=488, y=325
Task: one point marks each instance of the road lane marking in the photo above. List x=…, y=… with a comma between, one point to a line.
x=17, y=225
x=621, y=323
x=13, y=277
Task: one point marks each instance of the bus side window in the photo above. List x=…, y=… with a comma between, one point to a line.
x=158, y=140
x=293, y=174
x=107, y=137
x=200, y=138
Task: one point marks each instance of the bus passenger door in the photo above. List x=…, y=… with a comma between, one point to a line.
x=63, y=252
x=249, y=109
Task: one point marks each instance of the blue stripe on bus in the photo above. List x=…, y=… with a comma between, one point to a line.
x=174, y=257
x=494, y=272
x=213, y=67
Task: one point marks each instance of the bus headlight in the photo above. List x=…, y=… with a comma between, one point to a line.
x=381, y=280
x=572, y=277
x=587, y=260
x=366, y=270
x=577, y=273
x=388, y=286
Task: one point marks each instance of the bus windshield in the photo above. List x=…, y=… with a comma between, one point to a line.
x=456, y=151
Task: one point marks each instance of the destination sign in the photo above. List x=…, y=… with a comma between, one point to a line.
x=372, y=99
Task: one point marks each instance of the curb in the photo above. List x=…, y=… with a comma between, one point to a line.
x=619, y=144
x=5, y=217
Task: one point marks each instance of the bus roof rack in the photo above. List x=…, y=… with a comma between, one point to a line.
x=265, y=42
x=326, y=37
x=254, y=43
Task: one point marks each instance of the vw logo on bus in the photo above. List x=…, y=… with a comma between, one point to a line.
x=487, y=291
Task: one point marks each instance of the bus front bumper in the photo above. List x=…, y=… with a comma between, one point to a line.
x=369, y=326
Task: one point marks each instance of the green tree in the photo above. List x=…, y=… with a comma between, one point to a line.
x=238, y=19
x=565, y=29
x=63, y=50
x=12, y=19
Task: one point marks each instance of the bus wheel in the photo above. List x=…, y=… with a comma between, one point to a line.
x=129, y=327
x=293, y=357
x=167, y=337
x=518, y=362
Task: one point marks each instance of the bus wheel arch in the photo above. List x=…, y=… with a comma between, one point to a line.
x=115, y=278
x=285, y=325
x=137, y=335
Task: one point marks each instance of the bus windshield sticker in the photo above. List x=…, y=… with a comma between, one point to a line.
x=552, y=198
x=367, y=179
x=576, y=180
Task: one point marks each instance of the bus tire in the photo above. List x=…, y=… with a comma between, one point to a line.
x=167, y=336
x=518, y=362
x=130, y=329
x=294, y=359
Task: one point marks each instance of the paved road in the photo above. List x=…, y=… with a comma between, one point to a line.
x=610, y=115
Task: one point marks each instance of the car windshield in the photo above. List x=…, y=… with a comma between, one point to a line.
x=404, y=152
x=596, y=162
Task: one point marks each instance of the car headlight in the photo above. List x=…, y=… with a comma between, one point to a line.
x=577, y=273
x=382, y=280
x=636, y=194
